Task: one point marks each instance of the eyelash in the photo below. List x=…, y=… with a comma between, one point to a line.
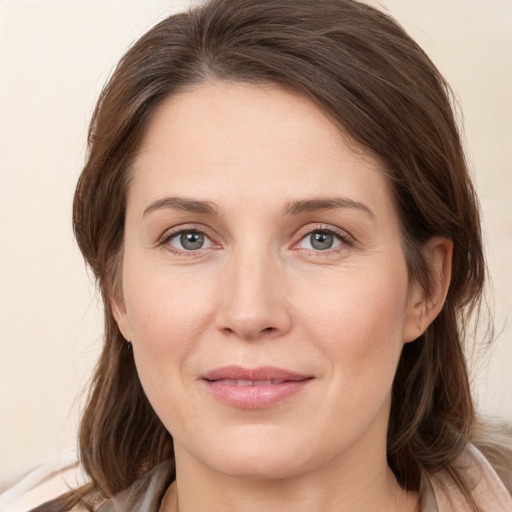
x=343, y=237
x=169, y=235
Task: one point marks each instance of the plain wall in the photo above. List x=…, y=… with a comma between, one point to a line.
x=54, y=58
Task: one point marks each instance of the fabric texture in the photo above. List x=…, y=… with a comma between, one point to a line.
x=486, y=487
x=440, y=492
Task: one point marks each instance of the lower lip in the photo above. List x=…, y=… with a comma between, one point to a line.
x=255, y=397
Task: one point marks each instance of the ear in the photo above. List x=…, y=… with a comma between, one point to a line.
x=425, y=305
x=121, y=317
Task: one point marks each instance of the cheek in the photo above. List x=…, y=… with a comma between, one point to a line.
x=161, y=302
x=359, y=323
x=167, y=317
x=359, y=330
x=167, y=313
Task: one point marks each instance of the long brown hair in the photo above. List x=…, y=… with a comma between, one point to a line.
x=372, y=79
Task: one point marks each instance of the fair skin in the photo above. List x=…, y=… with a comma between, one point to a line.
x=257, y=237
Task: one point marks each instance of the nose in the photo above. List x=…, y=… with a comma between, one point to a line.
x=254, y=298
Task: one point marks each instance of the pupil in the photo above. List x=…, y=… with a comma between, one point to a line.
x=192, y=240
x=322, y=241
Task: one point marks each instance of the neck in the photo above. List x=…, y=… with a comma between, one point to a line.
x=339, y=486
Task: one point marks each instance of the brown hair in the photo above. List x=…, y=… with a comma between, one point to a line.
x=371, y=78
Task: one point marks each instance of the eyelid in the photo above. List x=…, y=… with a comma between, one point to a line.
x=181, y=228
x=346, y=238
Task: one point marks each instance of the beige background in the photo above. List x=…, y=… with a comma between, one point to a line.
x=54, y=57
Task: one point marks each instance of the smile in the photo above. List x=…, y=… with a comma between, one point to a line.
x=240, y=382
x=254, y=388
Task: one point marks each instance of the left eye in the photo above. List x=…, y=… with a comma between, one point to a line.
x=320, y=241
x=190, y=240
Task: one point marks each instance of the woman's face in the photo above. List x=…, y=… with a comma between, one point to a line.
x=264, y=285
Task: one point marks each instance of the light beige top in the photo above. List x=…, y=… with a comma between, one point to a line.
x=486, y=487
x=440, y=492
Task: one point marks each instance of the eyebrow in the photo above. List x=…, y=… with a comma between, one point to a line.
x=328, y=203
x=292, y=208
x=180, y=203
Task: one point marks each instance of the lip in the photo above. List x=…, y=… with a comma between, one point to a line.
x=254, y=388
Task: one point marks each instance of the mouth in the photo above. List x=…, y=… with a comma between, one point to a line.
x=256, y=388
x=242, y=382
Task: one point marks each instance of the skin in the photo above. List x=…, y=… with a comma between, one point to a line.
x=259, y=293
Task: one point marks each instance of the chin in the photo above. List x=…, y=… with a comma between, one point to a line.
x=261, y=466
x=261, y=454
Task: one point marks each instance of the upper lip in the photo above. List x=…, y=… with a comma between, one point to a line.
x=262, y=373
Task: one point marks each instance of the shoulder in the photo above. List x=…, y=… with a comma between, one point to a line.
x=145, y=493
x=494, y=440
x=46, y=482
x=486, y=487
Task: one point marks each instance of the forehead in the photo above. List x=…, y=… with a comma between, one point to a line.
x=271, y=112
x=260, y=141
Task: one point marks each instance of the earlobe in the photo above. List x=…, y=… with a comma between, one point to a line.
x=121, y=317
x=425, y=304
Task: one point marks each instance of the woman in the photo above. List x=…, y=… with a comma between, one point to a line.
x=278, y=212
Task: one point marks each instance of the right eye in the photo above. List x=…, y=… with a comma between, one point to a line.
x=189, y=240
x=321, y=240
